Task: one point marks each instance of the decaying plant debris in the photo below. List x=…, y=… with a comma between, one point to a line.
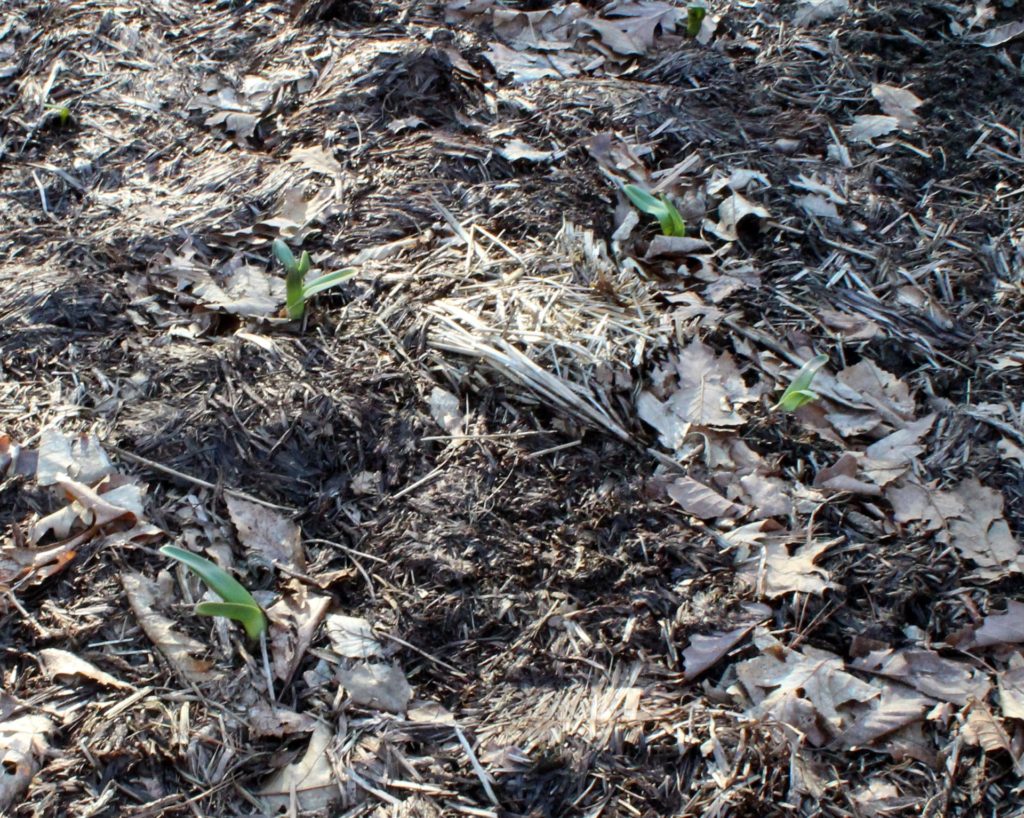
x=529, y=535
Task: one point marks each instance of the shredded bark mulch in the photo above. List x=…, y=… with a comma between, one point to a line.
x=535, y=530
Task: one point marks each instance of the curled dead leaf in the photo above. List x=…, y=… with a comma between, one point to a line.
x=701, y=501
x=310, y=780
x=706, y=650
x=24, y=742
x=996, y=629
x=179, y=649
x=929, y=673
x=58, y=663
x=294, y=618
x=808, y=691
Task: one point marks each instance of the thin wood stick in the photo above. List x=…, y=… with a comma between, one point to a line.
x=188, y=478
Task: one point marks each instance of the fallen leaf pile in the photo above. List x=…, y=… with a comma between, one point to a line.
x=880, y=700
x=93, y=503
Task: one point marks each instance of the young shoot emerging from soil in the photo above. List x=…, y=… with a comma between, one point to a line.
x=799, y=393
x=238, y=603
x=661, y=208
x=298, y=290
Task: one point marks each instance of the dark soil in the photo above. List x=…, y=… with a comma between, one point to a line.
x=524, y=580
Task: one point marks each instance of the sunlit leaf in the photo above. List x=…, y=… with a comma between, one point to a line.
x=226, y=586
x=325, y=282
x=284, y=254
x=249, y=616
x=798, y=392
x=662, y=209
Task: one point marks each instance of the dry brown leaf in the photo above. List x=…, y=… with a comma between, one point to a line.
x=352, y=637
x=54, y=456
x=294, y=618
x=997, y=629
x=82, y=458
x=311, y=778
x=1011, y=692
x=529, y=66
x=983, y=729
x=176, y=647
x=705, y=650
x=867, y=127
x=913, y=502
x=808, y=691
x=745, y=536
x=237, y=122
x=878, y=799
x=549, y=27
x=90, y=507
x=446, y=411
x=981, y=534
x=895, y=708
x=674, y=246
x=277, y=722
x=819, y=11
x=616, y=156
x=632, y=28
x=122, y=503
x=768, y=496
x=850, y=327
x=899, y=103
x=734, y=212
x=818, y=206
x=788, y=573
x=697, y=499
x=842, y=476
x=516, y=150
x=882, y=390
x=702, y=389
x=62, y=663
x=848, y=424
x=16, y=459
x=998, y=35
x=243, y=289
x=24, y=743
x=427, y=712
x=270, y=535
x=382, y=687
x=929, y=673
x=900, y=447
x=17, y=565
x=317, y=159
x=294, y=213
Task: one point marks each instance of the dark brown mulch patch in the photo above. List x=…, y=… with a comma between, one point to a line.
x=531, y=574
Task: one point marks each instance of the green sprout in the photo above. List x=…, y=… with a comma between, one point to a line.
x=238, y=603
x=298, y=290
x=694, y=19
x=63, y=113
x=799, y=393
x=662, y=209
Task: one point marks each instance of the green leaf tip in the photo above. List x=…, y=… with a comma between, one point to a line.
x=694, y=19
x=799, y=393
x=662, y=209
x=326, y=281
x=238, y=603
x=284, y=254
